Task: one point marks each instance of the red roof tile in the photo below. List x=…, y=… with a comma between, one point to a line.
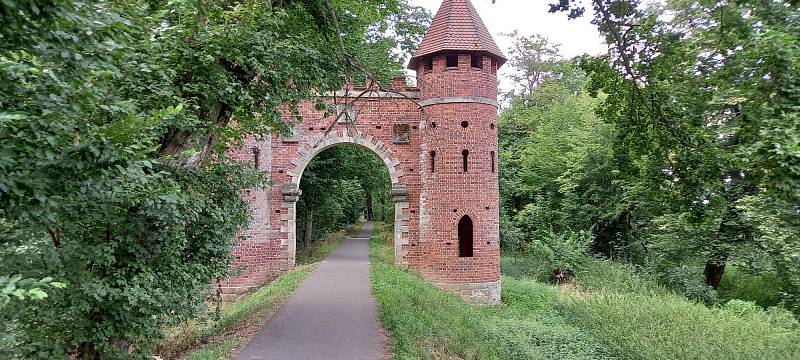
x=457, y=26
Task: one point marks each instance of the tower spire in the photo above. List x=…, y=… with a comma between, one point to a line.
x=457, y=27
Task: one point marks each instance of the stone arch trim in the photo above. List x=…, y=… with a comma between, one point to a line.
x=318, y=143
x=311, y=147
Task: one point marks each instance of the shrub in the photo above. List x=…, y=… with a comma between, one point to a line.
x=763, y=289
x=688, y=281
x=563, y=251
x=527, y=265
x=608, y=275
x=511, y=237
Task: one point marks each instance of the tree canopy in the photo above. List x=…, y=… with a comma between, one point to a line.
x=685, y=156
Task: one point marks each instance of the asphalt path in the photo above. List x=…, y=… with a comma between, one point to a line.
x=332, y=314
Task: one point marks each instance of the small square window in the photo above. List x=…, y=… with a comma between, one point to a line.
x=428, y=64
x=452, y=60
x=477, y=61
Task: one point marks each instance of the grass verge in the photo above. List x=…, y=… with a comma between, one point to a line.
x=427, y=323
x=237, y=322
x=639, y=326
x=610, y=315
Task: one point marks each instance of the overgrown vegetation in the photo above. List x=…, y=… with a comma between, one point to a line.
x=676, y=154
x=607, y=313
x=220, y=335
x=427, y=323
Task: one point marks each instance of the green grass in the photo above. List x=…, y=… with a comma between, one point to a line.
x=220, y=339
x=610, y=313
x=320, y=249
x=216, y=351
x=426, y=323
x=640, y=326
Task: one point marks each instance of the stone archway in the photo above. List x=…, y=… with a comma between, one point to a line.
x=314, y=145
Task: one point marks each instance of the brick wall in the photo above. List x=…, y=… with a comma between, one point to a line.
x=429, y=204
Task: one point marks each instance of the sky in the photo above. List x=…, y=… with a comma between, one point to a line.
x=576, y=37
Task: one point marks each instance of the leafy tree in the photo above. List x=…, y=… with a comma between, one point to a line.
x=699, y=93
x=115, y=117
x=558, y=172
x=535, y=60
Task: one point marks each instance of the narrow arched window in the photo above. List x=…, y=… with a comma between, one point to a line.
x=465, y=237
x=465, y=154
x=491, y=154
x=433, y=161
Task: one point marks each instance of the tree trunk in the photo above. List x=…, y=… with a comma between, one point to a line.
x=87, y=351
x=177, y=141
x=307, y=231
x=383, y=209
x=370, y=214
x=713, y=272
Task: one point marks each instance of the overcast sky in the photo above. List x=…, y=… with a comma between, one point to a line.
x=576, y=37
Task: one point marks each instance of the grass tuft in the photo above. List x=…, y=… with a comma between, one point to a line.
x=639, y=326
x=216, y=351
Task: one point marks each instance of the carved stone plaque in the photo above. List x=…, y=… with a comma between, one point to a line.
x=402, y=133
x=346, y=113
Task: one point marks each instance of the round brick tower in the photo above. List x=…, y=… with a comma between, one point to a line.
x=456, y=66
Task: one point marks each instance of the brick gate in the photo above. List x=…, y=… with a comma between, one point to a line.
x=439, y=143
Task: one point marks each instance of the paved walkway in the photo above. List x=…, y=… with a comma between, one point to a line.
x=332, y=314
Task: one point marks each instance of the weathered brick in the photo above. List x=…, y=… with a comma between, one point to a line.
x=428, y=203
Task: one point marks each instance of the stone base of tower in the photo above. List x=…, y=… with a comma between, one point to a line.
x=479, y=293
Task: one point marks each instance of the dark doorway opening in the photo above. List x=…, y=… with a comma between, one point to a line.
x=465, y=240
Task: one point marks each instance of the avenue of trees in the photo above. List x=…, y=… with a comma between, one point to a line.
x=678, y=152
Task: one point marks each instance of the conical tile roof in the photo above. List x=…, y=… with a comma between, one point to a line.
x=458, y=27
